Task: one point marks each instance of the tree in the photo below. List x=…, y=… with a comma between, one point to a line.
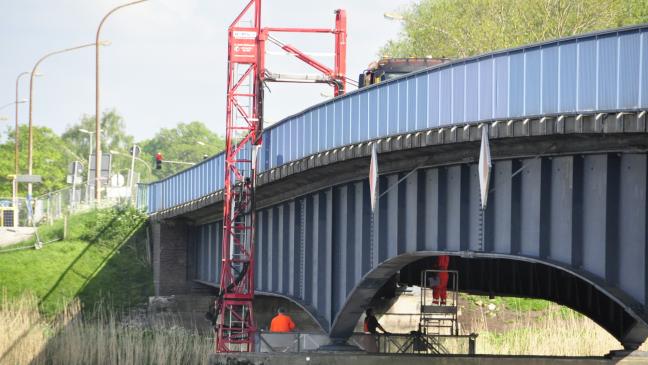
x=50, y=160
x=462, y=28
x=188, y=142
x=113, y=138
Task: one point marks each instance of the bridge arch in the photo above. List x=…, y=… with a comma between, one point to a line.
x=481, y=273
x=583, y=214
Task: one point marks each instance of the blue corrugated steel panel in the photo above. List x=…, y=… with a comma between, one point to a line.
x=603, y=71
x=472, y=91
x=643, y=71
x=400, y=106
x=587, y=75
x=445, y=96
x=567, y=75
x=549, y=82
x=372, y=118
x=433, y=100
x=516, y=85
x=606, y=96
x=392, y=108
x=421, y=102
x=485, y=86
x=501, y=86
x=346, y=121
x=458, y=92
x=628, y=82
x=383, y=108
x=321, y=128
x=532, y=81
x=411, y=97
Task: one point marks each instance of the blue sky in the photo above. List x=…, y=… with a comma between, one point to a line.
x=167, y=60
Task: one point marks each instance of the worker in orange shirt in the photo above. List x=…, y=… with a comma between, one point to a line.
x=440, y=294
x=282, y=322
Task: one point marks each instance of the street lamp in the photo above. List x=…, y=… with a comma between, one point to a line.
x=97, y=116
x=31, y=103
x=17, y=137
x=6, y=105
x=390, y=15
x=89, y=133
x=150, y=170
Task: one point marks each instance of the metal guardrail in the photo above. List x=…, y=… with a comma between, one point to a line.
x=412, y=343
x=582, y=74
x=49, y=207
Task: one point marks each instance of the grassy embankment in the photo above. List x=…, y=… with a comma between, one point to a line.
x=101, y=260
x=62, y=304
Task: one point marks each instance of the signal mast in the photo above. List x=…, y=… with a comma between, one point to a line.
x=246, y=76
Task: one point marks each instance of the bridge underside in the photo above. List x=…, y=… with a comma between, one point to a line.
x=520, y=278
x=580, y=215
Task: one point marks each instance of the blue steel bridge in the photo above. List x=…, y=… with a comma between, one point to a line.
x=567, y=213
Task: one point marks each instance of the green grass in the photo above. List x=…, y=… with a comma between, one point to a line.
x=103, y=260
x=510, y=303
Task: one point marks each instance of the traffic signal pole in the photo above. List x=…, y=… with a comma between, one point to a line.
x=246, y=75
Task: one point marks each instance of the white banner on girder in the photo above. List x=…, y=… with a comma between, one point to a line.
x=373, y=177
x=484, y=166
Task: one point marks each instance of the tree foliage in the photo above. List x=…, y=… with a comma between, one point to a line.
x=461, y=28
x=50, y=160
x=188, y=142
x=52, y=154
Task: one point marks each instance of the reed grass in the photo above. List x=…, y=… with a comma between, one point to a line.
x=559, y=332
x=76, y=338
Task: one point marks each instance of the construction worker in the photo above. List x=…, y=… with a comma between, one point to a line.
x=282, y=322
x=371, y=323
x=439, y=293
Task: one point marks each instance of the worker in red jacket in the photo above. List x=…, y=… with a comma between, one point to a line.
x=439, y=293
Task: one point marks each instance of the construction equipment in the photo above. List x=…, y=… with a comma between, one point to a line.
x=389, y=68
x=246, y=76
x=439, y=317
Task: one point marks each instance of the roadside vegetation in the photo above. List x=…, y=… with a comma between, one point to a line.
x=103, y=259
x=514, y=326
x=95, y=337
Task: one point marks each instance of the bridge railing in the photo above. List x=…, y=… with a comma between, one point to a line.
x=605, y=71
x=418, y=343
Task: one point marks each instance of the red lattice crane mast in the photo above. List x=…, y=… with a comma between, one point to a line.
x=246, y=75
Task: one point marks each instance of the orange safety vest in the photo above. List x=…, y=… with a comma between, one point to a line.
x=282, y=323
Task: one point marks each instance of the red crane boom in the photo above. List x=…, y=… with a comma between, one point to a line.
x=246, y=75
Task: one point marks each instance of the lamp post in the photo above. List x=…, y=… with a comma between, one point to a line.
x=97, y=98
x=6, y=105
x=31, y=105
x=148, y=167
x=89, y=133
x=17, y=139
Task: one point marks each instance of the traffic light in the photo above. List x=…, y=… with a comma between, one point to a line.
x=158, y=161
